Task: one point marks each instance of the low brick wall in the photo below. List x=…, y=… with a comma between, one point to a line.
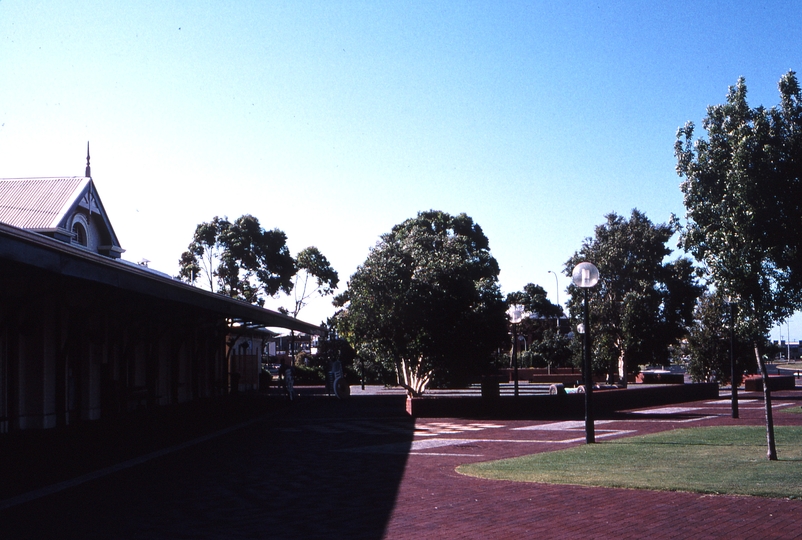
x=754, y=383
x=570, y=406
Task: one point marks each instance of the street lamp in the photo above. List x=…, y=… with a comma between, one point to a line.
x=516, y=314
x=733, y=306
x=585, y=275
x=557, y=297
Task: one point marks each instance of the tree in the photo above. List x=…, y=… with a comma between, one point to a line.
x=742, y=193
x=314, y=277
x=311, y=265
x=545, y=345
x=641, y=305
x=553, y=348
x=239, y=259
x=533, y=299
x=427, y=302
x=708, y=346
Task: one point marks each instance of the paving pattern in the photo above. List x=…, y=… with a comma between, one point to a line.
x=295, y=473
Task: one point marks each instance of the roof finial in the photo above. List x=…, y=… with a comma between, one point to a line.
x=88, y=169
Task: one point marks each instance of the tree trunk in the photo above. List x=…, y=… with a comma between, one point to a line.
x=764, y=374
x=622, y=369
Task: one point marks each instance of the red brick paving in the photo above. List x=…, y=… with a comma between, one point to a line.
x=435, y=501
x=297, y=474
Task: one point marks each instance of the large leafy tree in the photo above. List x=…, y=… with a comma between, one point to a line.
x=426, y=301
x=239, y=259
x=743, y=190
x=642, y=305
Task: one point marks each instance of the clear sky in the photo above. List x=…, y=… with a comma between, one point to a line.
x=335, y=120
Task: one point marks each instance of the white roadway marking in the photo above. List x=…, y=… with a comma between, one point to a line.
x=560, y=426
x=419, y=447
x=432, y=429
x=667, y=410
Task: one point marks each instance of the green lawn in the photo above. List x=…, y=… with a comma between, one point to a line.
x=727, y=460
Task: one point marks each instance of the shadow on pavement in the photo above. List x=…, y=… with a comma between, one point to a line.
x=318, y=468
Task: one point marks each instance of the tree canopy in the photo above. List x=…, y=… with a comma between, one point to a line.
x=641, y=305
x=546, y=346
x=239, y=259
x=743, y=197
x=709, y=344
x=426, y=301
x=534, y=300
x=314, y=276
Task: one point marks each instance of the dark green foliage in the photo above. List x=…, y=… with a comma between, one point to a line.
x=642, y=305
x=708, y=346
x=534, y=301
x=551, y=350
x=426, y=302
x=743, y=196
x=239, y=259
x=545, y=346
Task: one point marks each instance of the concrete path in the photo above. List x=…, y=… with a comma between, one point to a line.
x=328, y=469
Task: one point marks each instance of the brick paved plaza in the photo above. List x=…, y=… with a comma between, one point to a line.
x=327, y=469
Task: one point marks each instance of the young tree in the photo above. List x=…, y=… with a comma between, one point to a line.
x=708, y=346
x=641, y=305
x=239, y=259
x=743, y=191
x=427, y=301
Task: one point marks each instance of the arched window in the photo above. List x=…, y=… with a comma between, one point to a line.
x=79, y=229
x=80, y=233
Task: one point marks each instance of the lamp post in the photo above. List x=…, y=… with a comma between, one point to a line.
x=789, y=341
x=585, y=275
x=516, y=314
x=733, y=384
x=557, y=297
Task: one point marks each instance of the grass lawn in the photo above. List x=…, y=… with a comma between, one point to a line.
x=726, y=460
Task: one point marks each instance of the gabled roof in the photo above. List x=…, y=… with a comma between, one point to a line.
x=38, y=203
x=47, y=205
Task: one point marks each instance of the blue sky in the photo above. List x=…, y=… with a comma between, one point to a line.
x=333, y=121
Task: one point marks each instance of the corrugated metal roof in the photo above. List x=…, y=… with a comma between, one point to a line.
x=37, y=203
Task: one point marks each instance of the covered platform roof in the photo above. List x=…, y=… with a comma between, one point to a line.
x=44, y=253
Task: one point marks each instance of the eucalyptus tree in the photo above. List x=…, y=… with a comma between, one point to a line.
x=426, y=302
x=742, y=192
x=239, y=259
x=314, y=277
x=642, y=304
